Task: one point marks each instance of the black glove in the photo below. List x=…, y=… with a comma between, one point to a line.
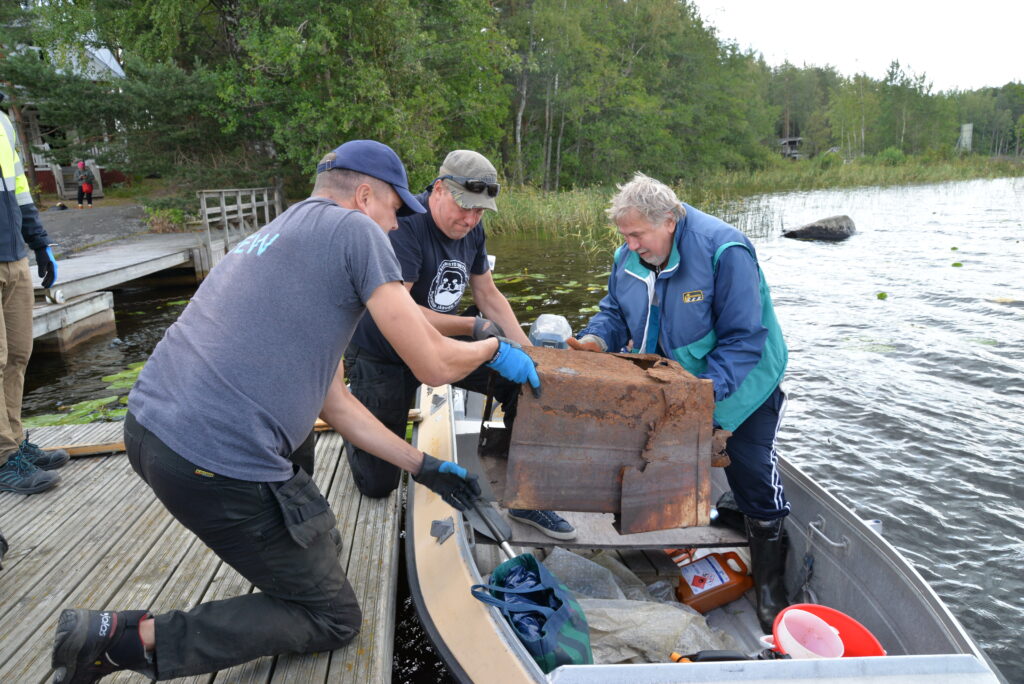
x=46, y=265
x=484, y=328
x=457, y=487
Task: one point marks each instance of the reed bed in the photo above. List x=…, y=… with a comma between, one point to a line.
x=579, y=214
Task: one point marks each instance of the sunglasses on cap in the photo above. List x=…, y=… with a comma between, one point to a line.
x=474, y=185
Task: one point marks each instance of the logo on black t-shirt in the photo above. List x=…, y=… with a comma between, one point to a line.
x=447, y=287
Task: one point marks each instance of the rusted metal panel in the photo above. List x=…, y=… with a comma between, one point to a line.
x=623, y=433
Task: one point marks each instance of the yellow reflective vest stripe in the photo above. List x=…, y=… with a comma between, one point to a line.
x=10, y=163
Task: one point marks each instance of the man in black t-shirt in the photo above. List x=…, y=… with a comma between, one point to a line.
x=440, y=252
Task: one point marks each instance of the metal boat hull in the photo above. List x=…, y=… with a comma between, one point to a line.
x=854, y=570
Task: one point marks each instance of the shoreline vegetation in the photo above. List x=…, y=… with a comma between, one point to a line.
x=579, y=213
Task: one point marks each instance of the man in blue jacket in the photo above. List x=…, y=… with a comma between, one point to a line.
x=687, y=286
x=24, y=467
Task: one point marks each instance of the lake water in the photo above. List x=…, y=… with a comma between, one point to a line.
x=908, y=408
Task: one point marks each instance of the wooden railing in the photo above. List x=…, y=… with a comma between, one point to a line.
x=237, y=212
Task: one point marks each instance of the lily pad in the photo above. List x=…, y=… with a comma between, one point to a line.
x=124, y=379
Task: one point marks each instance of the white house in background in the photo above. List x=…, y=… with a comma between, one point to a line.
x=96, y=64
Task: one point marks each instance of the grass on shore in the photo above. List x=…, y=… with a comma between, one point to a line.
x=579, y=213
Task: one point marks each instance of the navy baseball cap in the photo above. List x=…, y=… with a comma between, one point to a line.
x=379, y=161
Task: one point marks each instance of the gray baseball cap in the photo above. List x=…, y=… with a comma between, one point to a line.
x=471, y=179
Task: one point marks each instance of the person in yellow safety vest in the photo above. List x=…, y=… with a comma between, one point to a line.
x=24, y=467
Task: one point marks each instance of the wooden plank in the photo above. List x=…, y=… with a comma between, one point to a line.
x=90, y=566
x=102, y=268
x=320, y=425
x=95, y=550
x=40, y=518
x=80, y=450
x=595, y=530
x=372, y=569
x=27, y=517
x=77, y=437
x=47, y=318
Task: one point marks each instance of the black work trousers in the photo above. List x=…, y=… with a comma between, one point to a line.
x=388, y=389
x=280, y=536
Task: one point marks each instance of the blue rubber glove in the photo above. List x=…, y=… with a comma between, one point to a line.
x=46, y=264
x=457, y=487
x=515, y=364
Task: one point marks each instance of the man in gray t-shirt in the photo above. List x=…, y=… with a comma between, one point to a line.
x=231, y=391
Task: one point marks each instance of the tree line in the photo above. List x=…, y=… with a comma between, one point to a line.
x=560, y=94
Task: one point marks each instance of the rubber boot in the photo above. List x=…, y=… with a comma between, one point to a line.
x=768, y=556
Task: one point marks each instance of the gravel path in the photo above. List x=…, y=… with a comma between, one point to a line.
x=73, y=230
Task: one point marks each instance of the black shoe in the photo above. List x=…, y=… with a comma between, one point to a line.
x=85, y=638
x=768, y=558
x=44, y=460
x=21, y=476
x=548, y=522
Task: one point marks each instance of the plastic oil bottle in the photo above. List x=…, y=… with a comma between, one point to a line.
x=550, y=330
x=713, y=580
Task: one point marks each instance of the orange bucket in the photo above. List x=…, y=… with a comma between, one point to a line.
x=857, y=640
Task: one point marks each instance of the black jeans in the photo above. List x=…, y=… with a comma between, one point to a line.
x=280, y=536
x=387, y=389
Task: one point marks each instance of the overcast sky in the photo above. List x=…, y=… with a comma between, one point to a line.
x=965, y=45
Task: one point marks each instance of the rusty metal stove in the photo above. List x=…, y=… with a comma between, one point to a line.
x=628, y=434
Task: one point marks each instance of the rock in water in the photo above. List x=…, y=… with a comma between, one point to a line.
x=833, y=228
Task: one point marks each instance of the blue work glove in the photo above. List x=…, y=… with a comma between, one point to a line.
x=457, y=487
x=484, y=328
x=46, y=265
x=515, y=364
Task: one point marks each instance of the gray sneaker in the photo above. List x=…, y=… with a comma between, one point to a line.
x=548, y=522
x=44, y=460
x=20, y=476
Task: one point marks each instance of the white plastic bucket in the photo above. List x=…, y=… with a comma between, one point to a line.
x=805, y=635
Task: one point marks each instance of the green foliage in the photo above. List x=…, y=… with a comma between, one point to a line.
x=166, y=220
x=558, y=94
x=580, y=213
x=828, y=160
x=891, y=156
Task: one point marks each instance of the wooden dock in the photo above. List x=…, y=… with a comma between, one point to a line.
x=101, y=539
x=79, y=306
